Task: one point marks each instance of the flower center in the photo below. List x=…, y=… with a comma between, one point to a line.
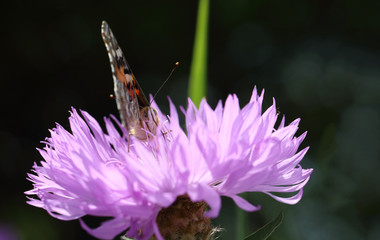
x=184, y=219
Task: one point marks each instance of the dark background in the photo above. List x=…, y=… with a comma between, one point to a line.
x=319, y=59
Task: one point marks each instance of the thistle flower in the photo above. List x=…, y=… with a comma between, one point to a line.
x=144, y=185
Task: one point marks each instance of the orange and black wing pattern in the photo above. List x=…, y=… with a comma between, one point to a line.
x=129, y=97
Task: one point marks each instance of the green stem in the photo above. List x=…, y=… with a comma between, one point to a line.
x=241, y=223
x=198, y=71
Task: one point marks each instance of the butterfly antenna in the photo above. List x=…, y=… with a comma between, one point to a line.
x=175, y=66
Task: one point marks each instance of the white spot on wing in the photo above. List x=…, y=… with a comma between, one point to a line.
x=119, y=52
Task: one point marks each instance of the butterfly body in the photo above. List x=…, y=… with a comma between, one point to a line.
x=136, y=114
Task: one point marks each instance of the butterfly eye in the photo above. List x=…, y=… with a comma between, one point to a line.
x=155, y=114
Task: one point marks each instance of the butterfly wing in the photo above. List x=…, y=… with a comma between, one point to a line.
x=129, y=96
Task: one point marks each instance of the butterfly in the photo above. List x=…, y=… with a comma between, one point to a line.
x=137, y=116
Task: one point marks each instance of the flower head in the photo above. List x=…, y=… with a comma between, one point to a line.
x=223, y=152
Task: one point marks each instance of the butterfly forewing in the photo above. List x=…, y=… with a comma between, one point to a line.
x=130, y=99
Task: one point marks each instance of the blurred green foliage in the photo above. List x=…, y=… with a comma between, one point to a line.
x=319, y=59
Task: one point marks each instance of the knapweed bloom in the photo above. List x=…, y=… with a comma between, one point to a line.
x=224, y=151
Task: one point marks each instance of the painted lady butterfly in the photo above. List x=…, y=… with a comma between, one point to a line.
x=136, y=115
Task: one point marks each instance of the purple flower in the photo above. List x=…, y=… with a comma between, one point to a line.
x=223, y=152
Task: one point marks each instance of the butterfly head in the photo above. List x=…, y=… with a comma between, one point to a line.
x=148, y=123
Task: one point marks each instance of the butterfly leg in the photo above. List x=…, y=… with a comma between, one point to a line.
x=129, y=141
